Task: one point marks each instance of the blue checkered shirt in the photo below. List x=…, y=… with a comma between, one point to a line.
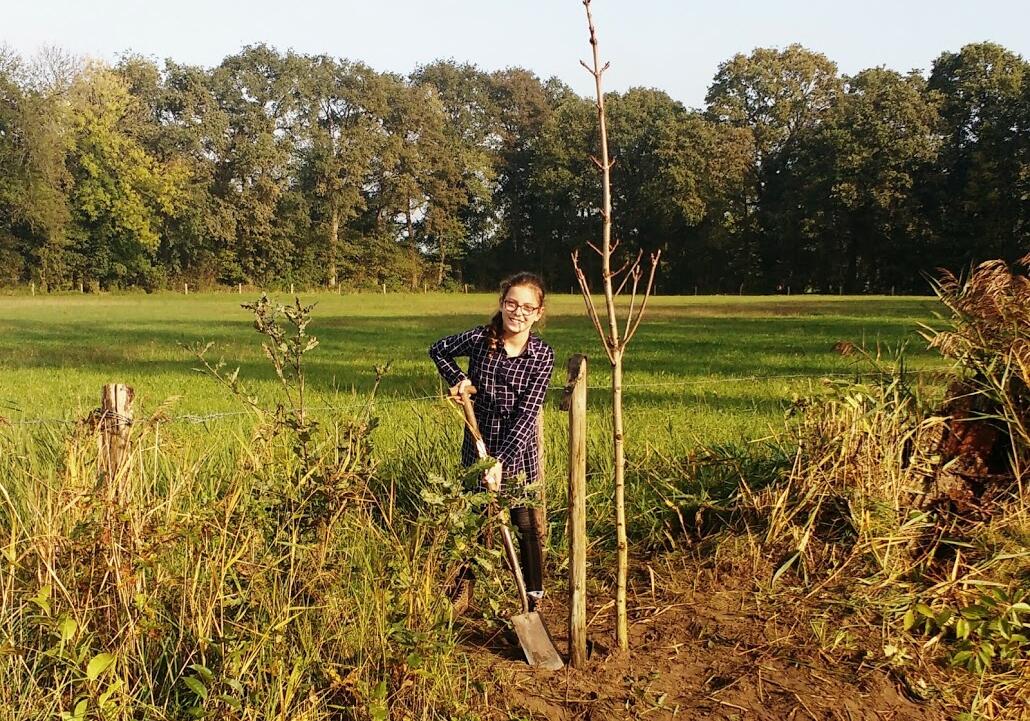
x=509, y=394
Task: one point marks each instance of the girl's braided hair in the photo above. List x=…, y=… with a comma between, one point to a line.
x=496, y=327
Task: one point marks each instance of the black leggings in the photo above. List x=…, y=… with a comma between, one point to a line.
x=531, y=549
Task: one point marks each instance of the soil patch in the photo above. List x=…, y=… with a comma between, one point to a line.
x=701, y=648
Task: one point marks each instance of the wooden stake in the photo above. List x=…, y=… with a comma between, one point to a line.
x=291, y=288
x=33, y=288
x=239, y=288
x=384, y=288
x=115, y=424
x=575, y=401
x=185, y=288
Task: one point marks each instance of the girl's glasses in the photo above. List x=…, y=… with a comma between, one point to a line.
x=512, y=306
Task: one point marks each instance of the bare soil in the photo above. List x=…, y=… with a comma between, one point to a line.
x=703, y=645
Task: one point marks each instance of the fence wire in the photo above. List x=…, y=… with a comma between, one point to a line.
x=197, y=419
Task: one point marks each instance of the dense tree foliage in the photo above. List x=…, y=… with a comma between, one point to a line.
x=277, y=167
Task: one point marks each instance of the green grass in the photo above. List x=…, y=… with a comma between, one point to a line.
x=690, y=372
x=229, y=576
x=702, y=371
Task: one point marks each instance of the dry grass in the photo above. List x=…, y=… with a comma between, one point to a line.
x=905, y=520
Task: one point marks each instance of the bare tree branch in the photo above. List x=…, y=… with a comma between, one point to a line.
x=647, y=294
x=635, y=274
x=584, y=288
x=632, y=268
x=622, y=269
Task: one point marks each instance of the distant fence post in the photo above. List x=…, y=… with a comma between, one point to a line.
x=575, y=402
x=115, y=423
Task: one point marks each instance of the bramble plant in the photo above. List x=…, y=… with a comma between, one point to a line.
x=993, y=630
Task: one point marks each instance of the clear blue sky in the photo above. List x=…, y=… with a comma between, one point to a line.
x=675, y=45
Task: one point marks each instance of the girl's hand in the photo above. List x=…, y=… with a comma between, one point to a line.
x=492, y=478
x=462, y=387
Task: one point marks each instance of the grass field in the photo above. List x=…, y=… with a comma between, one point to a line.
x=229, y=574
x=708, y=369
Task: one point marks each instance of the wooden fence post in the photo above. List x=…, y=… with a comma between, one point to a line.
x=575, y=401
x=115, y=423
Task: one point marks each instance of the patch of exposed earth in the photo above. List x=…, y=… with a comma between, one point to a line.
x=702, y=647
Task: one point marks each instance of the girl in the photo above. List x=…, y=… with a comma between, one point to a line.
x=509, y=369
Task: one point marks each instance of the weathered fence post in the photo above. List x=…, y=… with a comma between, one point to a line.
x=291, y=288
x=185, y=288
x=33, y=288
x=115, y=423
x=575, y=402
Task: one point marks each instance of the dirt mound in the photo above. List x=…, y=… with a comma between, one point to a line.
x=703, y=650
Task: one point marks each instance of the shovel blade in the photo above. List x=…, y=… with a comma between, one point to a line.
x=536, y=642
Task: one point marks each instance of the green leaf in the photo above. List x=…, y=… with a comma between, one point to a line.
x=974, y=612
x=961, y=657
x=1020, y=607
x=196, y=686
x=42, y=599
x=230, y=701
x=67, y=627
x=910, y=619
x=111, y=690
x=80, y=709
x=924, y=610
x=203, y=672
x=962, y=628
x=98, y=664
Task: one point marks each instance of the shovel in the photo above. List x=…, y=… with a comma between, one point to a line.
x=529, y=627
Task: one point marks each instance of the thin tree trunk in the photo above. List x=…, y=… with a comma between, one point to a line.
x=621, y=625
x=614, y=345
x=622, y=544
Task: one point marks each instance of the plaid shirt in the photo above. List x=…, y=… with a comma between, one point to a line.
x=509, y=394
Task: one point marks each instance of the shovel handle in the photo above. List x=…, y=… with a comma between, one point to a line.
x=509, y=546
x=513, y=561
x=473, y=425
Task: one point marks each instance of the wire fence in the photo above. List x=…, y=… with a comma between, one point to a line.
x=204, y=419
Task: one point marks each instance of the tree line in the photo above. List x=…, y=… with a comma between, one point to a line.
x=277, y=167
